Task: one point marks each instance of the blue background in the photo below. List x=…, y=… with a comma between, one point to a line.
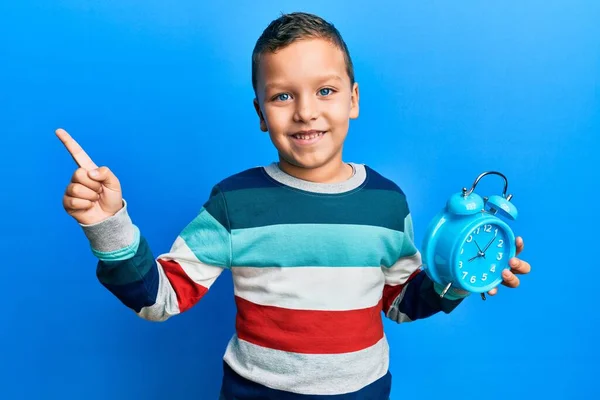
x=160, y=92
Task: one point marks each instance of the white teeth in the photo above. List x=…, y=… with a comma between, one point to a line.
x=308, y=137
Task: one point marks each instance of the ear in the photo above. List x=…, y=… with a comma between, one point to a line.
x=354, y=102
x=263, y=123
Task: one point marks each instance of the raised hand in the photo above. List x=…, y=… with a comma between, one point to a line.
x=94, y=194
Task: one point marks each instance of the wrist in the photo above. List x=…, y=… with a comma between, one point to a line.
x=115, y=238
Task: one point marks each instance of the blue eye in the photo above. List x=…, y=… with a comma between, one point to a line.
x=325, y=91
x=282, y=97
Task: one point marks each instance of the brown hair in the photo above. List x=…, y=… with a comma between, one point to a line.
x=295, y=26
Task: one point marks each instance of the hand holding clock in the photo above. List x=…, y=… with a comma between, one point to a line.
x=517, y=267
x=459, y=238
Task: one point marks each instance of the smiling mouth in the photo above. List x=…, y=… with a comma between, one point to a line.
x=308, y=135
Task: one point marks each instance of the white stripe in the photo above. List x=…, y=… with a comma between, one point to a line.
x=310, y=288
x=166, y=304
x=402, y=269
x=308, y=373
x=199, y=272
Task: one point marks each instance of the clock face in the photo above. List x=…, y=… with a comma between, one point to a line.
x=483, y=255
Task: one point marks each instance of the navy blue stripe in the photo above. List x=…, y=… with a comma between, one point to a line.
x=421, y=300
x=252, y=199
x=236, y=387
x=376, y=181
x=139, y=293
x=254, y=178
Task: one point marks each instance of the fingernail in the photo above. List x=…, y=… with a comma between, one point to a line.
x=506, y=273
x=514, y=262
x=94, y=172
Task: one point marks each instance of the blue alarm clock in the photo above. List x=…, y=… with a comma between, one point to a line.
x=468, y=244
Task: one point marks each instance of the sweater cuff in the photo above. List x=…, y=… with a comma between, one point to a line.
x=115, y=238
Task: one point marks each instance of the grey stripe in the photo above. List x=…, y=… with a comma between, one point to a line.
x=166, y=301
x=112, y=234
x=308, y=373
x=355, y=180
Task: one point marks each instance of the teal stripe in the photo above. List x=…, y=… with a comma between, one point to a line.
x=327, y=245
x=280, y=205
x=122, y=272
x=408, y=227
x=216, y=207
x=208, y=240
x=121, y=254
x=408, y=244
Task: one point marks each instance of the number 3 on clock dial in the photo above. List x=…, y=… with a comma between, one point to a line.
x=481, y=253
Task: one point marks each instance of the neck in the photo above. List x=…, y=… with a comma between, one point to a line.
x=331, y=172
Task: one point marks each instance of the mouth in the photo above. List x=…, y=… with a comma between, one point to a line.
x=307, y=137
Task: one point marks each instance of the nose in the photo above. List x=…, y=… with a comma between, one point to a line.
x=307, y=109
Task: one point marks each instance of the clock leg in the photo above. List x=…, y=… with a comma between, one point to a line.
x=446, y=290
x=483, y=296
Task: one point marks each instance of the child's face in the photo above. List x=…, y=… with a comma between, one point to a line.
x=305, y=101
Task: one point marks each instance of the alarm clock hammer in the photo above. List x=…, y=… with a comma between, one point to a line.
x=452, y=255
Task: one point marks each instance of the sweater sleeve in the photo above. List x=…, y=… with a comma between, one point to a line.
x=409, y=294
x=158, y=288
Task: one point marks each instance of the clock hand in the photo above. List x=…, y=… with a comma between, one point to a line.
x=478, y=248
x=472, y=258
x=481, y=253
x=489, y=244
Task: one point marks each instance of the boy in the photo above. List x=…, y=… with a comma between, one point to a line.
x=318, y=248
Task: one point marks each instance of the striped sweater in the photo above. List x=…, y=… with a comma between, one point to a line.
x=314, y=266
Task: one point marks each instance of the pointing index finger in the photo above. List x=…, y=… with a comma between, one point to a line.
x=79, y=155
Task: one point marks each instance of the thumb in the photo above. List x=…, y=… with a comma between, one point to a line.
x=106, y=177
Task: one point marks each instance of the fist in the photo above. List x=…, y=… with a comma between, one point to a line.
x=94, y=194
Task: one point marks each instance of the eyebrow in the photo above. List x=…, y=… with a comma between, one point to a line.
x=319, y=79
